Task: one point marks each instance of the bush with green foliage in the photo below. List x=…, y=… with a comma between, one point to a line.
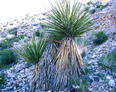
x=32, y=52
x=4, y=44
x=8, y=43
x=15, y=39
x=2, y=80
x=80, y=83
x=37, y=33
x=7, y=56
x=92, y=11
x=108, y=61
x=13, y=31
x=99, y=37
x=92, y=7
x=22, y=36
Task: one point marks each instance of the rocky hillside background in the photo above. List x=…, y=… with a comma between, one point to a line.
x=99, y=45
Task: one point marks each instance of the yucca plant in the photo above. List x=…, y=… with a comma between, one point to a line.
x=32, y=53
x=65, y=22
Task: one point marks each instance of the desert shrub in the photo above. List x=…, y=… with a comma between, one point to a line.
x=7, y=56
x=92, y=11
x=15, y=39
x=8, y=43
x=13, y=31
x=4, y=44
x=108, y=61
x=103, y=6
x=22, y=36
x=80, y=84
x=90, y=3
x=37, y=33
x=92, y=6
x=2, y=79
x=99, y=37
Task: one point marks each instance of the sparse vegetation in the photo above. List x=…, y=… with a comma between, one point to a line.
x=13, y=31
x=99, y=37
x=4, y=44
x=92, y=11
x=8, y=43
x=2, y=80
x=7, y=56
x=80, y=84
x=92, y=7
x=108, y=61
x=37, y=33
x=22, y=36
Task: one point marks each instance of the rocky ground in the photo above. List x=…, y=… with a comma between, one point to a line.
x=18, y=76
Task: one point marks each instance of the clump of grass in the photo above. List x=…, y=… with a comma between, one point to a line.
x=99, y=37
x=37, y=33
x=2, y=80
x=4, y=44
x=92, y=7
x=80, y=84
x=7, y=56
x=13, y=31
x=108, y=61
x=22, y=36
x=92, y=11
x=8, y=43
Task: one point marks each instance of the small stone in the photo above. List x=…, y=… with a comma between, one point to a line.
x=113, y=51
x=90, y=89
x=108, y=77
x=10, y=36
x=90, y=79
x=112, y=83
x=93, y=56
x=75, y=86
x=91, y=62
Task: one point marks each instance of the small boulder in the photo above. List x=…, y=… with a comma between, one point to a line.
x=112, y=83
x=113, y=51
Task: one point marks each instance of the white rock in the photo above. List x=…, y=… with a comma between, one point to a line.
x=2, y=39
x=75, y=86
x=112, y=83
x=9, y=36
x=108, y=77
